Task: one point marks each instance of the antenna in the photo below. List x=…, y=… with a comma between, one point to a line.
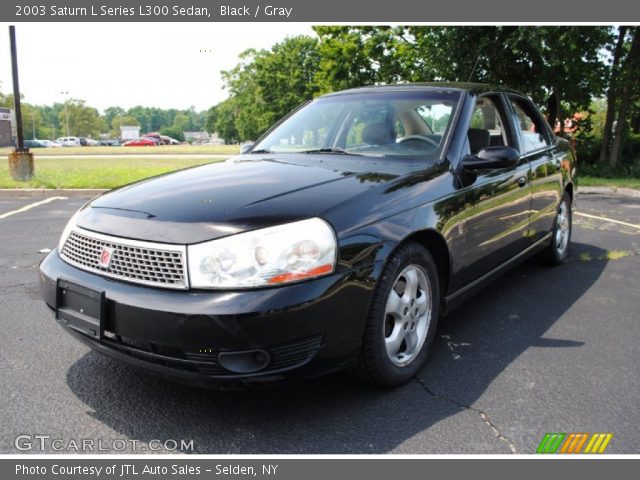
x=473, y=69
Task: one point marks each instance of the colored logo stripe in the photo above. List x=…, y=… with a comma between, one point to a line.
x=574, y=443
x=558, y=442
x=598, y=443
x=550, y=442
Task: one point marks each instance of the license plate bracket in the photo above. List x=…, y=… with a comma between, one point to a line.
x=81, y=308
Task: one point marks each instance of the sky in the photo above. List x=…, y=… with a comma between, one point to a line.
x=166, y=65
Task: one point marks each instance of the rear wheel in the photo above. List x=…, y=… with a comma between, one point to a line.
x=402, y=319
x=558, y=250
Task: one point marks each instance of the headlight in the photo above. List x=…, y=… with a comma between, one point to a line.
x=270, y=256
x=72, y=223
x=67, y=231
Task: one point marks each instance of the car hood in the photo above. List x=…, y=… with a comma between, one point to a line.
x=241, y=194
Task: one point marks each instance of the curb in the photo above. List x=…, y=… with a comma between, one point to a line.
x=45, y=192
x=627, y=192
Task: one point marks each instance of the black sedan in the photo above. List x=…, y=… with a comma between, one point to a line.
x=336, y=241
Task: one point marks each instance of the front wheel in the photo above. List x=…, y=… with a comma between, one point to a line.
x=402, y=319
x=558, y=250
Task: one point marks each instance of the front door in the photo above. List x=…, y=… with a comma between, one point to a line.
x=497, y=202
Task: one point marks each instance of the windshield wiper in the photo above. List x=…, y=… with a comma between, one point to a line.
x=261, y=150
x=337, y=150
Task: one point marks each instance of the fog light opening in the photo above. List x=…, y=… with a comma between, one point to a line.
x=248, y=361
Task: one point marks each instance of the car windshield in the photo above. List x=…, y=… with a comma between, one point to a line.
x=400, y=123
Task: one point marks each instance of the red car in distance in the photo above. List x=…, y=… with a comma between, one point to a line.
x=140, y=142
x=155, y=137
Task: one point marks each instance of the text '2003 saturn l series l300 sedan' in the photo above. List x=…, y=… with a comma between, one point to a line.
x=334, y=242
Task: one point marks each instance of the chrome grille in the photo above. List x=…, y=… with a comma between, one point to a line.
x=134, y=261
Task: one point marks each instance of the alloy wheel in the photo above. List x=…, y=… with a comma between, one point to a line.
x=407, y=315
x=563, y=228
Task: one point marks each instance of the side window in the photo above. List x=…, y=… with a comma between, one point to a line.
x=436, y=117
x=487, y=127
x=530, y=124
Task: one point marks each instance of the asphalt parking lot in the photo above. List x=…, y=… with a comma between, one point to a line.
x=541, y=350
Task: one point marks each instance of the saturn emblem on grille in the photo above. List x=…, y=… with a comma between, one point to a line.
x=105, y=257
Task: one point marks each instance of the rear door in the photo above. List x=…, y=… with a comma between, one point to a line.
x=537, y=144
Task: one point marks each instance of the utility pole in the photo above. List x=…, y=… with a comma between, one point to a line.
x=20, y=160
x=16, y=88
x=66, y=110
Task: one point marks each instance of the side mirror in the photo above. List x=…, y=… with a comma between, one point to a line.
x=491, y=158
x=245, y=147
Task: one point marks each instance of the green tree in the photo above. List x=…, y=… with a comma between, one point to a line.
x=6, y=101
x=560, y=67
x=110, y=113
x=32, y=122
x=356, y=56
x=267, y=84
x=173, y=133
x=211, y=118
x=142, y=116
x=117, y=122
x=81, y=119
x=158, y=119
x=626, y=89
x=182, y=123
x=249, y=106
x=50, y=126
x=51, y=120
x=225, y=123
x=31, y=117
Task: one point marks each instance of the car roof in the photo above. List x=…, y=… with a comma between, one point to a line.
x=474, y=88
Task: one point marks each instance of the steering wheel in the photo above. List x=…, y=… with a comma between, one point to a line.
x=422, y=138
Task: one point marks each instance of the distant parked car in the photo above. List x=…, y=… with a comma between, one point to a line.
x=156, y=137
x=140, y=142
x=69, y=141
x=110, y=142
x=50, y=144
x=90, y=142
x=34, y=144
x=169, y=141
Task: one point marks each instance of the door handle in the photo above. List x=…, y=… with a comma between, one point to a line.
x=522, y=181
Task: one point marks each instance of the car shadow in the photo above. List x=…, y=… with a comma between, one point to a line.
x=335, y=413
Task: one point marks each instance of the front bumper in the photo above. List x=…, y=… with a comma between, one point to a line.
x=302, y=329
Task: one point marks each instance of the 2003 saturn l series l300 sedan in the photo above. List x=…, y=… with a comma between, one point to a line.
x=335, y=241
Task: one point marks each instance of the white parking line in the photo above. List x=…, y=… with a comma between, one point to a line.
x=605, y=219
x=30, y=206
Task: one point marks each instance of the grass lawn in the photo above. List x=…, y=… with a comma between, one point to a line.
x=72, y=172
x=178, y=149
x=624, y=182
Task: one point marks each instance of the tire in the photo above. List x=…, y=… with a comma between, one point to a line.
x=401, y=323
x=558, y=250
